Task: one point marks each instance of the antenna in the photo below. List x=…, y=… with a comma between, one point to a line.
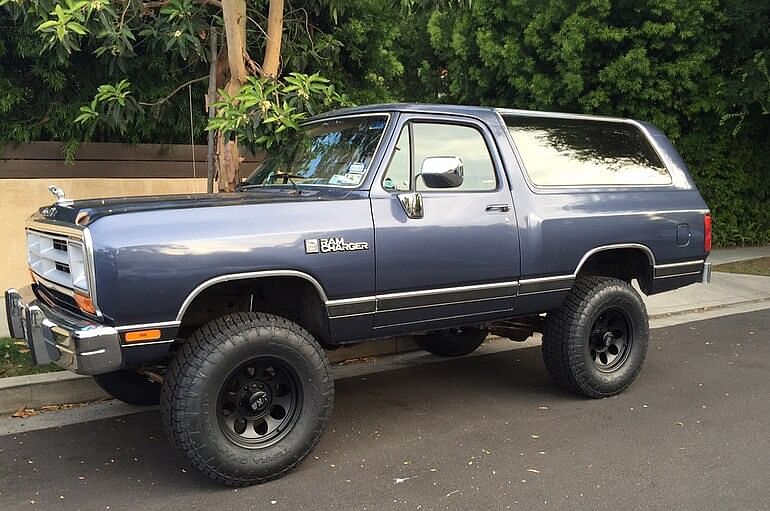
x=192, y=132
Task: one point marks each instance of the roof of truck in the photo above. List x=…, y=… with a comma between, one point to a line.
x=480, y=112
x=474, y=111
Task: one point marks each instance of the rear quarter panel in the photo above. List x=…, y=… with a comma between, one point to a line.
x=560, y=225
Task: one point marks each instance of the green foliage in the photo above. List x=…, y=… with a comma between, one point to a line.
x=698, y=69
x=695, y=68
x=131, y=53
x=41, y=96
x=266, y=112
x=15, y=360
x=113, y=102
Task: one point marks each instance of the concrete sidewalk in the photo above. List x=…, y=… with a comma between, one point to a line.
x=725, y=289
x=731, y=255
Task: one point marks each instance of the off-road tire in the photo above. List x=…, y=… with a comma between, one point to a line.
x=454, y=342
x=567, y=337
x=130, y=387
x=200, y=369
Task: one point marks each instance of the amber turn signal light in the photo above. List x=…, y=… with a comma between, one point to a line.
x=85, y=303
x=142, y=335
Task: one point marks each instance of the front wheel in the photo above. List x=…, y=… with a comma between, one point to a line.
x=247, y=398
x=596, y=342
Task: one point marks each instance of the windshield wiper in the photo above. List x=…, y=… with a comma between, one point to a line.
x=287, y=178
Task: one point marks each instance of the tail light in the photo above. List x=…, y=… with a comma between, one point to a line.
x=707, y=232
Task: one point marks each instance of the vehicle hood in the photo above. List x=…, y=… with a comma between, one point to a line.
x=85, y=212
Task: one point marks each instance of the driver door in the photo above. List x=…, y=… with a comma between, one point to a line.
x=457, y=260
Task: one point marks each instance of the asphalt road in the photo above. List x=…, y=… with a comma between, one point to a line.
x=488, y=432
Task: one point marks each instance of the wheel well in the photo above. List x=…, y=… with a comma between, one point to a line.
x=293, y=298
x=624, y=263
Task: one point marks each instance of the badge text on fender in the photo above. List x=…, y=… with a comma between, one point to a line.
x=326, y=245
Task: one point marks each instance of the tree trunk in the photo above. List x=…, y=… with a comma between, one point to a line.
x=272, y=61
x=228, y=157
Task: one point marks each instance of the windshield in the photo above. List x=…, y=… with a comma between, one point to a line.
x=337, y=152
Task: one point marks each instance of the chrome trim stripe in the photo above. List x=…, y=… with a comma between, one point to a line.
x=522, y=282
x=43, y=225
x=52, y=285
x=685, y=263
x=404, y=300
x=88, y=246
x=545, y=285
x=678, y=274
x=147, y=326
x=412, y=306
x=148, y=343
x=247, y=275
x=540, y=292
x=645, y=248
x=443, y=290
x=651, y=212
x=677, y=269
x=94, y=352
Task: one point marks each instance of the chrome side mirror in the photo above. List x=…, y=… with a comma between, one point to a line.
x=442, y=172
x=412, y=204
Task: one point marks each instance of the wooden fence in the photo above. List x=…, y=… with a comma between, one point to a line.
x=44, y=160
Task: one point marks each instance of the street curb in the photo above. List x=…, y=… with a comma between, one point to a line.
x=38, y=390
x=711, y=308
x=62, y=387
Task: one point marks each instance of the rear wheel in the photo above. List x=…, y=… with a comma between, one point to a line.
x=453, y=342
x=247, y=398
x=596, y=343
x=130, y=387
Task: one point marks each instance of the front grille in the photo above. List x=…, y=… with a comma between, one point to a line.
x=57, y=259
x=57, y=299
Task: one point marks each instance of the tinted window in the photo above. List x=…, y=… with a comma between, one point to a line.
x=585, y=152
x=431, y=140
x=337, y=152
x=462, y=141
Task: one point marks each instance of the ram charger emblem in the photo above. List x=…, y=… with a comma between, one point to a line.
x=326, y=245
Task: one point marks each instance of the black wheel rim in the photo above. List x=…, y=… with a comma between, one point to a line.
x=611, y=340
x=259, y=402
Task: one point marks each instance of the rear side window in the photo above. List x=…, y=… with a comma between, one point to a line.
x=577, y=152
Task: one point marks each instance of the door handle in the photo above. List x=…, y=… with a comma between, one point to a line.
x=498, y=208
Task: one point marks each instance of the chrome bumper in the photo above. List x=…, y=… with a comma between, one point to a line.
x=77, y=344
x=705, y=276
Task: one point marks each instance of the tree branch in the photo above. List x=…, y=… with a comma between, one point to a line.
x=163, y=100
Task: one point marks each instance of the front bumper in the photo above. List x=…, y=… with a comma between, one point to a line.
x=77, y=344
